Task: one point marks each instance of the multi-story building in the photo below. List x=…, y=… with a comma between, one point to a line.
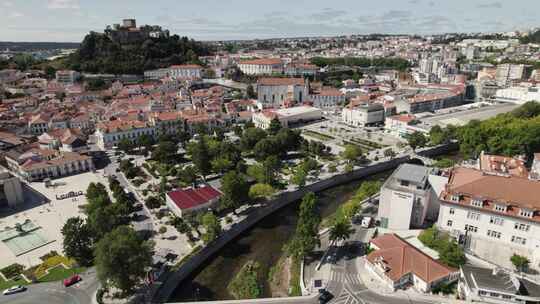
x=265, y=66
x=363, y=115
x=67, y=76
x=409, y=197
x=507, y=73
x=493, y=215
x=301, y=69
x=429, y=102
x=181, y=72
x=327, y=98
x=36, y=164
x=110, y=133
x=400, y=124
x=275, y=92
x=168, y=122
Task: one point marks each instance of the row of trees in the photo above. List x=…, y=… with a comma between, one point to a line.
x=514, y=133
x=105, y=239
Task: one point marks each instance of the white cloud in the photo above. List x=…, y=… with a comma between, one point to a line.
x=63, y=4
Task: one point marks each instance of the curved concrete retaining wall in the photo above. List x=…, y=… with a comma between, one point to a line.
x=161, y=292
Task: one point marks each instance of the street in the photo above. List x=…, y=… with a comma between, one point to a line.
x=56, y=293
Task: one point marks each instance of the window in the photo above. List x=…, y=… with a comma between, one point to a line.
x=519, y=240
x=494, y=234
x=471, y=228
x=455, y=198
x=477, y=202
x=449, y=223
x=522, y=227
x=452, y=210
x=496, y=221
x=404, y=183
x=482, y=293
x=506, y=296
x=526, y=213
x=473, y=216
x=500, y=208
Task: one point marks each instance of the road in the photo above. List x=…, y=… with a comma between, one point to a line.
x=144, y=219
x=56, y=293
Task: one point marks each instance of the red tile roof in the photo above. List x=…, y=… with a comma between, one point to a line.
x=190, y=198
x=276, y=81
x=263, y=61
x=400, y=258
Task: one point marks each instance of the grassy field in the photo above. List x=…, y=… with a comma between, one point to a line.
x=59, y=273
x=317, y=135
x=7, y=284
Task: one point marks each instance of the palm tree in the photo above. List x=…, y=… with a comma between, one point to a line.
x=340, y=231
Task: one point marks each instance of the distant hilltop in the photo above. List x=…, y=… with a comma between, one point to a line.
x=128, y=32
x=35, y=46
x=128, y=49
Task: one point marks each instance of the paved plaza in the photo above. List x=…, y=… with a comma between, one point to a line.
x=50, y=216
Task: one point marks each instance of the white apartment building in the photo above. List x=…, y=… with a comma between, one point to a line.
x=265, y=66
x=110, y=133
x=507, y=73
x=362, y=115
x=67, y=76
x=409, y=197
x=493, y=215
x=184, y=71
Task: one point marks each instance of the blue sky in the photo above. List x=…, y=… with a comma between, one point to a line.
x=70, y=20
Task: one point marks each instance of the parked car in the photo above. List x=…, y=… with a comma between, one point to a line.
x=14, y=289
x=72, y=280
x=325, y=296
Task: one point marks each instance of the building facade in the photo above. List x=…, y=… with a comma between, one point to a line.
x=363, y=115
x=110, y=133
x=275, y=92
x=265, y=66
x=493, y=215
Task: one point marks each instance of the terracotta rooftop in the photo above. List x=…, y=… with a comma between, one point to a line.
x=276, y=81
x=186, y=66
x=400, y=258
x=511, y=191
x=263, y=61
x=190, y=198
x=503, y=165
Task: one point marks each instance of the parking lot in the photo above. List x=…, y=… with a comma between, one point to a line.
x=50, y=216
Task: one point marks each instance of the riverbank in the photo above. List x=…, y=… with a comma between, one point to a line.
x=185, y=277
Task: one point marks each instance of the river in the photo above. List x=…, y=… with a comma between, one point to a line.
x=263, y=243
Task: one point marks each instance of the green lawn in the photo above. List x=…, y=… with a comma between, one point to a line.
x=7, y=284
x=59, y=273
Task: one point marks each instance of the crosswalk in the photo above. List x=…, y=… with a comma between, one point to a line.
x=344, y=285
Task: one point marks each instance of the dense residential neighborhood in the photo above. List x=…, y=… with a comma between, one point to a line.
x=145, y=167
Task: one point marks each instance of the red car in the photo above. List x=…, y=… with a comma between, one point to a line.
x=72, y=280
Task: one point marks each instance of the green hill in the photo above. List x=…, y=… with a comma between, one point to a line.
x=99, y=54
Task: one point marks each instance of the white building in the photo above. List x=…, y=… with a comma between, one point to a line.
x=327, y=98
x=507, y=73
x=409, y=198
x=287, y=116
x=496, y=286
x=493, y=215
x=399, y=125
x=518, y=95
x=275, y=92
x=67, y=76
x=110, y=133
x=184, y=71
x=363, y=115
x=265, y=66
x=399, y=265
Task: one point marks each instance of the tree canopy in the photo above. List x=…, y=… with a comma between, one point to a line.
x=122, y=259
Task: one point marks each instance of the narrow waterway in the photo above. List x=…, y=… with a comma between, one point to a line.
x=263, y=244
